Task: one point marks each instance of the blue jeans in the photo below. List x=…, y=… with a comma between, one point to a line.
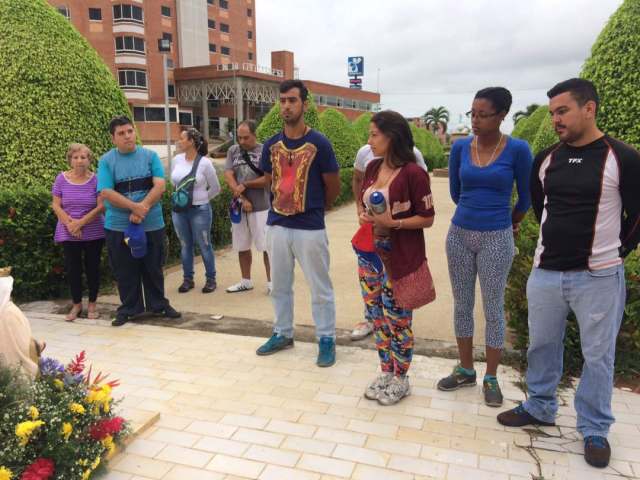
x=194, y=226
x=311, y=249
x=597, y=298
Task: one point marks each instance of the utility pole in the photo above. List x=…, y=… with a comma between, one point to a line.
x=164, y=46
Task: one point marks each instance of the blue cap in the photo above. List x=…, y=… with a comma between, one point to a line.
x=235, y=210
x=136, y=239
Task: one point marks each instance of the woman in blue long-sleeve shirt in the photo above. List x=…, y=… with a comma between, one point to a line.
x=482, y=172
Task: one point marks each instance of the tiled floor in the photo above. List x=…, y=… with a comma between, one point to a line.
x=226, y=413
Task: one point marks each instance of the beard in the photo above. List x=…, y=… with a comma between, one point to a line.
x=293, y=120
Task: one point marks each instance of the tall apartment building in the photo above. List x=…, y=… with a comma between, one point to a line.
x=125, y=34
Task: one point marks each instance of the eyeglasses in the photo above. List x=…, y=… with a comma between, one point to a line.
x=480, y=115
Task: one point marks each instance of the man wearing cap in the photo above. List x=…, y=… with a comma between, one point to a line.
x=250, y=191
x=131, y=182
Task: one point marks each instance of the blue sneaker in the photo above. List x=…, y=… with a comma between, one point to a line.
x=275, y=344
x=326, y=352
x=597, y=451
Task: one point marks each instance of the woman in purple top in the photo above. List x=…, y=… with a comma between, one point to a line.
x=80, y=227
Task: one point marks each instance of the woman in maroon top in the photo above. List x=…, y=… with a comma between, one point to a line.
x=80, y=227
x=404, y=209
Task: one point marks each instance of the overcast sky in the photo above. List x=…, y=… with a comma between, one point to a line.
x=430, y=53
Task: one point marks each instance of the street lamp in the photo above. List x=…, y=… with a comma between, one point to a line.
x=164, y=46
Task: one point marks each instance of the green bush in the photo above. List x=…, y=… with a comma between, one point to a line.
x=429, y=146
x=527, y=128
x=54, y=90
x=27, y=225
x=545, y=136
x=335, y=126
x=361, y=127
x=272, y=122
x=613, y=67
x=346, y=194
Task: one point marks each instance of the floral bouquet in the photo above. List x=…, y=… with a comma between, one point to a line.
x=60, y=427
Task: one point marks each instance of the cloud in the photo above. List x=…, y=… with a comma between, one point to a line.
x=436, y=53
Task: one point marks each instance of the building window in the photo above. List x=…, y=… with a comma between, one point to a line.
x=186, y=118
x=224, y=28
x=95, y=14
x=170, y=63
x=127, y=44
x=138, y=114
x=250, y=55
x=224, y=4
x=225, y=50
x=210, y=2
x=166, y=11
x=130, y=78
x=167, y=36
x=171, y=90
x=249, y=12
x=212, y=47
x=250, y=34
x=64, y=11
x=156, y=114
x=212, y=24
x=127, y=13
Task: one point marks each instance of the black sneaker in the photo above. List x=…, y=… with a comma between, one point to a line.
x=187, y=284
x=492, y=393
x=210, y=285
x=597, y=451
x=167, y=312
x=519, y=417
x=120, y=320
x=456, y=380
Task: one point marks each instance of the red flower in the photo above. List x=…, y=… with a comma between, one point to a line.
x=76, y=366
x=41, y=469
x=105, y=427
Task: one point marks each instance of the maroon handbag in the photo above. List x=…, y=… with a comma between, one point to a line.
x=416, y=289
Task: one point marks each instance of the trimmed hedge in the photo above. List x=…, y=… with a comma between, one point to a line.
x=272, y=122
x=54, y=90
x=429, y=146
x=613, y=67
x=545, y=136
x=527, y=128
x=27, y=224
x=335, y=126
x=361, y=127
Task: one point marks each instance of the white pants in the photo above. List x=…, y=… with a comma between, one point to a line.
x=251, y=228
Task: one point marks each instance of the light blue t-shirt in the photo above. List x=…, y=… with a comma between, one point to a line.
x=115, y=167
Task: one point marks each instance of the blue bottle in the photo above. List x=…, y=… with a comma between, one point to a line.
x=377, y=202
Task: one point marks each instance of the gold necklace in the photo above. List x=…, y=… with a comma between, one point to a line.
x=480, y=164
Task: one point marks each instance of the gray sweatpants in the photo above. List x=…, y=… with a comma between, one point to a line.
x=489, y=256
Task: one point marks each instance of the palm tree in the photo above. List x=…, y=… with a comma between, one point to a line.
x=437, y=117
x=524, y=113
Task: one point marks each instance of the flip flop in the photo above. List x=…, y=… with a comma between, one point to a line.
x=73, y=314
x=93, y=314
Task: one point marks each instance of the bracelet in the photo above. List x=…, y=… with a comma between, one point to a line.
x=399, y=226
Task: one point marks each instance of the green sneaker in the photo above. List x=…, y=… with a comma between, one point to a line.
x=275, y=344
x=456, y=380
x=492, y=393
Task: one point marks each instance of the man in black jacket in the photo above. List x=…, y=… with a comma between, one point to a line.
x=585, y=194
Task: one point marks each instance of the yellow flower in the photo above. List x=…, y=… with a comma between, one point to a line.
x=59, y=384
x=24, y=430
x=34, y=413
x=109, y=444
x=83, y=462
x=86, y=474
x=67, y=430
x=5, y=474
x=95, y=463
x=77, y=409
x=100, y=397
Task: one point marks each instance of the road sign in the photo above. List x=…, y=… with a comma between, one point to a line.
x=355, y=66
x=356, y=86
x=355, y=81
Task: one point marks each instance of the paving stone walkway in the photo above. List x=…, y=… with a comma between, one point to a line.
x=227, y=414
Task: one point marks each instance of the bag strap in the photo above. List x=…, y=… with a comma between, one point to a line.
x=245, y=156
x=193, y=171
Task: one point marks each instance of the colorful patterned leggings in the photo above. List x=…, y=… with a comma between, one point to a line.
x=392, y=324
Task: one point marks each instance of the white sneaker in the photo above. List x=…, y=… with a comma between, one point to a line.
x=362, y=330
x=269, y=288
x=396, y=390
x=241, y=286
x=378, y=385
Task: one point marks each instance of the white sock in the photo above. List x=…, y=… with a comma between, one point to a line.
x=246, y=282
